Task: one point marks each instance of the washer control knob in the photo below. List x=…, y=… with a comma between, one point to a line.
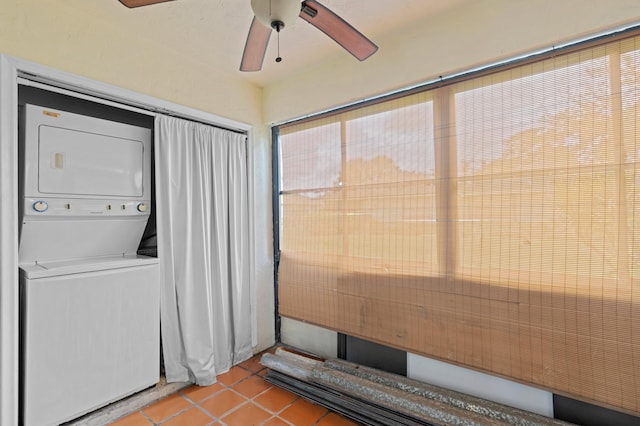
x=142, y=207
x=40, y=206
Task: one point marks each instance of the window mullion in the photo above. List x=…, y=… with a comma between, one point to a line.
x=344, y=194
x=615, y=78
x=446, y=193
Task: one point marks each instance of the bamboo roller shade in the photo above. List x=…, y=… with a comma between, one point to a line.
x=493, y=223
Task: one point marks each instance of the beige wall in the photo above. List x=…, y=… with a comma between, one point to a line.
x=467, y=36
x=112, y=44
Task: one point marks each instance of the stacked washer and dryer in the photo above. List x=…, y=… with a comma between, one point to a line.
x=89, y=303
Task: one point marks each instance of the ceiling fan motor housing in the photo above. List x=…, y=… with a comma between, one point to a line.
x=270, y=11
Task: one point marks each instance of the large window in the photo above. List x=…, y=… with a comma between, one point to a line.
x=492, y=222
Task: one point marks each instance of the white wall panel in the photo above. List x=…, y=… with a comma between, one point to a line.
x=479, y=384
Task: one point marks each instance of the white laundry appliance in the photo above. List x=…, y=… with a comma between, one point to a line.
x=89, y=303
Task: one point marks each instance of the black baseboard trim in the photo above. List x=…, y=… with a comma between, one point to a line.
x=372, y=354
x=585, y=414
x=342, y=346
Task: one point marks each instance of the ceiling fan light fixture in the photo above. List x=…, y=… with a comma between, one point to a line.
x=277, y=14
x=270, y=11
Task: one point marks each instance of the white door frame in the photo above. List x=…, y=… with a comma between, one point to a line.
x=11, y=69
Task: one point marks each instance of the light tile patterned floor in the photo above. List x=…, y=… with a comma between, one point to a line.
x=240, y=398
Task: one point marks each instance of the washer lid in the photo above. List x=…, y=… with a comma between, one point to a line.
x=34, y=270
x=53, y=239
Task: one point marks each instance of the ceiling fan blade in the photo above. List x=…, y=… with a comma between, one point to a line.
x=256, y=46
x=338, y=29
x=138, y=3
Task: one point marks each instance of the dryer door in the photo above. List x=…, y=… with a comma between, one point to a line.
x=72, y=162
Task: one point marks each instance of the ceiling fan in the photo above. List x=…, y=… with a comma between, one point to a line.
x=278, y=14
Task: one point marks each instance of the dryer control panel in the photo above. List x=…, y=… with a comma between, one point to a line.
x=62, y=207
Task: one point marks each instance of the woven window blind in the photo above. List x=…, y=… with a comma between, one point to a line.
x=493, y=223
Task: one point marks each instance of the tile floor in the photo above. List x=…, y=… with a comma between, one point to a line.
x=240, y=398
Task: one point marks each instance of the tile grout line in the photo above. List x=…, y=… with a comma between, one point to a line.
x=252, y=399
x=273, y=414
x=184, y=410
x=197, y=403
x=224, y=388
x=143, y=414
x=317, y=422
x=215, y=418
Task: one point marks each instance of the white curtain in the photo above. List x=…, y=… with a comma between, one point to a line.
x=203, y=245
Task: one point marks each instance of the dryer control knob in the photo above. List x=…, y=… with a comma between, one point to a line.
x=40, y=206
x=142, y=207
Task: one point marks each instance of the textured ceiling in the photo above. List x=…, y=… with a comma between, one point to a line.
x=215, y=31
